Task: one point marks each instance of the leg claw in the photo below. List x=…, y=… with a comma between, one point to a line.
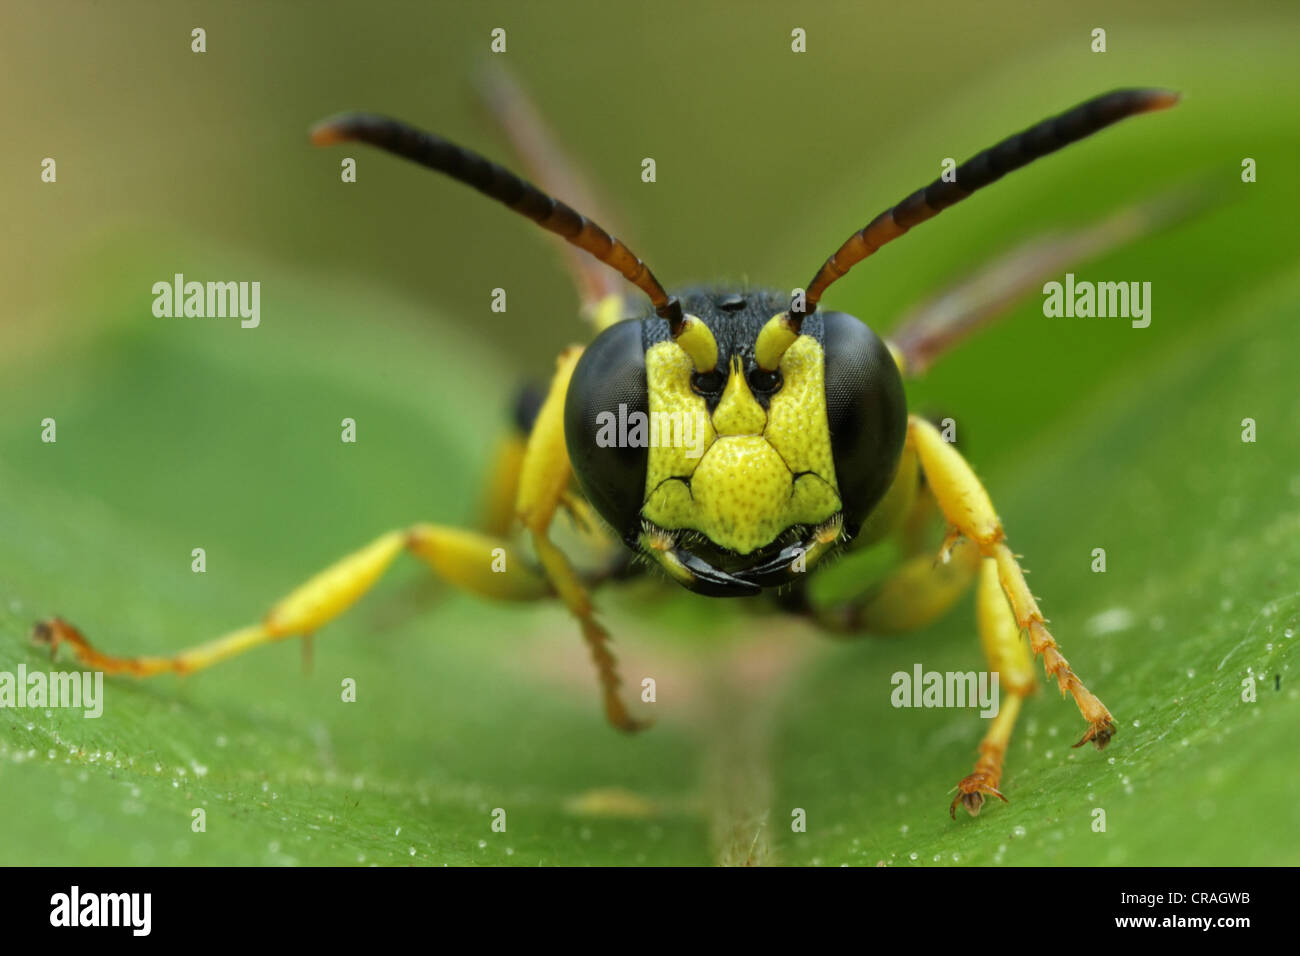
x=55, y=631
x=618, y=717
x=970, y=794
x=1099, y=732
x=630, y=725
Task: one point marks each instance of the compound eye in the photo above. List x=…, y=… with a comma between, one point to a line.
x=608, y=388
x=707, y=383
x=866, y=412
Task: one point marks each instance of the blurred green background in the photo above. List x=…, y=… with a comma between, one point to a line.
x=183, y=433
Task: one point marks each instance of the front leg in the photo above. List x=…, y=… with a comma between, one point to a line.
x=462, y=558
x=969, y=512
x=544, y=480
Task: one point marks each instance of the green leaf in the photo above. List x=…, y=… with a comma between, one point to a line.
x=192, y=433
x=465, y=707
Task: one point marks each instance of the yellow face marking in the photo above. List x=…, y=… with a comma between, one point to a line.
x=698, y=342
x=773, y=340
x=738, y=412
x=742, y=489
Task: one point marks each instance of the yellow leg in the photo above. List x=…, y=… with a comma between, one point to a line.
x=471, y=561
x=544, y=483
x=969, y=512
x=478, y=563
x=1008, y=656
x=503, y=485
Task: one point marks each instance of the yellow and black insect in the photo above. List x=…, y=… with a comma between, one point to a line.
x=801, y=449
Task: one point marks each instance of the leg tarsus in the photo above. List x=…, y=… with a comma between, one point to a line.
x=56, y=631
x=574, y=595
x=1101, y=725
x=970, y=794
x=966, y=505
x=463, y=558
x=607, y=670
x=1008, y=657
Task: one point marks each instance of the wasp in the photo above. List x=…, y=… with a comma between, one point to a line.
x=804, y=448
